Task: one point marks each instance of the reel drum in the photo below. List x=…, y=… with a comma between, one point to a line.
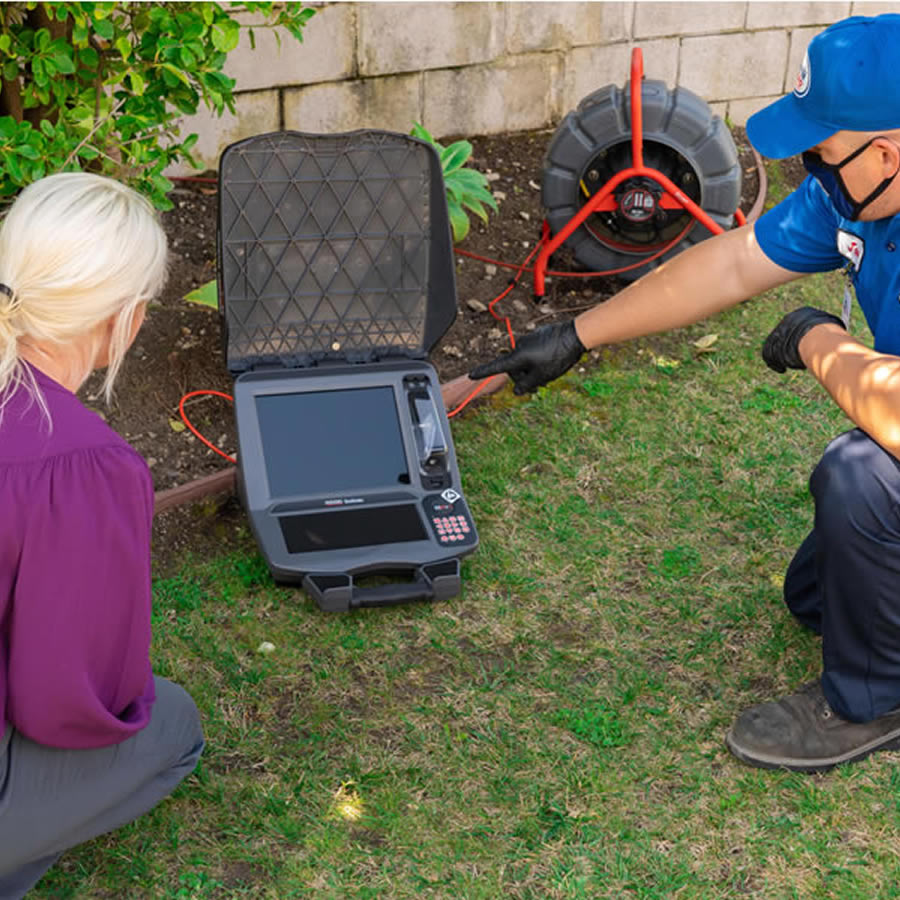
x=682, y=140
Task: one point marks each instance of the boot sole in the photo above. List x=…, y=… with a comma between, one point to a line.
x=890, y=741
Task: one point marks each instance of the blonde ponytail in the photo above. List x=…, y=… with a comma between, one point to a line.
x=76, y=249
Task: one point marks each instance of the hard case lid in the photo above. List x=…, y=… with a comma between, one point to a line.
x=332, y=247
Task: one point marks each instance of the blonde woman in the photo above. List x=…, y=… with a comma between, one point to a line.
x=90, y=738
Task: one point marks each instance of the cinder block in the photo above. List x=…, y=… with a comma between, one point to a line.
x=800, y=38
x=741, y=110
x=516, y=95
x=326, y=54
x=672, y=19
x=392, y=103
x=558, y=26
x=589, y=68
x=734, y=66
x=409, y=37
x=872, y=8
x=765, y=14
x=256, y=113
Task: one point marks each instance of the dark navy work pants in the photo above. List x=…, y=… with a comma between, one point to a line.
x=844, y=581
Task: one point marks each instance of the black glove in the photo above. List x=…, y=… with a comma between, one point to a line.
x=780, y=348
x=539, y=357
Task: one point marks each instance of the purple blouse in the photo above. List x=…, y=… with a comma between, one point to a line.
x=76, y=507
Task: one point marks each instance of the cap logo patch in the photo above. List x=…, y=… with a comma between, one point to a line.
x=801, y=82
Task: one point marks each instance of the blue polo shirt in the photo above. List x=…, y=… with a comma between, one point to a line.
x=804, y=233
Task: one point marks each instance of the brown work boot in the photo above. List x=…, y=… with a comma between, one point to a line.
x=801, y=732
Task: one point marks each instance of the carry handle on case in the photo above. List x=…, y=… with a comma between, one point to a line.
x=337, y=592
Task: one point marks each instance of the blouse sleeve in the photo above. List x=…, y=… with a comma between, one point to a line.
x=79, y=631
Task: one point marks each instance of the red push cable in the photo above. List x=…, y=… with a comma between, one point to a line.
x=193, y=430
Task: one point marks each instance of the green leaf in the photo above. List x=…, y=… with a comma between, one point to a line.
x=459, y=221
x=470, y=178
x=206, y=295
x=28, y=151
x=123, y=45
x=89, y=58
x=64, y=63
x=12, y=166
x=137, y=82
x=455, y=156
x=476, y=207
x=177, y=73
x=421, y=133
x=225, y=35
x=104, y=28
x=477, y=193
x=161, y=183
x=5, y=42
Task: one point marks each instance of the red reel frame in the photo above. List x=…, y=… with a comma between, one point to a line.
x=603, y=201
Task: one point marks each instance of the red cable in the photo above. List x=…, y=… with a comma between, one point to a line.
x=193, y=430
x=603, y=274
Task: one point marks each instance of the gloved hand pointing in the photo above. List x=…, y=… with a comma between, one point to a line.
x=780, y=350
x=539, y=357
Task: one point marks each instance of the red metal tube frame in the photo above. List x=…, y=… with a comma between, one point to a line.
x=637, y=169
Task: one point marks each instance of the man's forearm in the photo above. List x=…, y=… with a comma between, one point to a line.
x=864, y=383
x=707, y=278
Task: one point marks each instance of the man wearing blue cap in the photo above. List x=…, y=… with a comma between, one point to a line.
x=844, y=582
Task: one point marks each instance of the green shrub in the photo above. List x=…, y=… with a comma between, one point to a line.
x=466, y=188
x=101, y=86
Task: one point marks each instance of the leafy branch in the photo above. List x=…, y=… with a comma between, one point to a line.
x=103, y=86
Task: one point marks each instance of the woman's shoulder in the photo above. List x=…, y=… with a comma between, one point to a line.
x=57, y=425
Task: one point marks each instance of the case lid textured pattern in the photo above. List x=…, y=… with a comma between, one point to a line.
x=325, y=248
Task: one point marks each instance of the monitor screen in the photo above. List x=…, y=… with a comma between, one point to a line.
x=332, y=442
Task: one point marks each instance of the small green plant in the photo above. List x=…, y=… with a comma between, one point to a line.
x=466, y=188
x=102, y=86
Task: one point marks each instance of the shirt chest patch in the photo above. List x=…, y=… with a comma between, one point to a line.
x=852, y=247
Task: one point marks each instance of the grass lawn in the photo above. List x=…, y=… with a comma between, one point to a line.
x=557, y=730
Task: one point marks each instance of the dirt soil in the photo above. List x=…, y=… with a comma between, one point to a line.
x=179, y=348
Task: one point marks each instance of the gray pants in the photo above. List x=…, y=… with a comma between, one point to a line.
x=51, y=799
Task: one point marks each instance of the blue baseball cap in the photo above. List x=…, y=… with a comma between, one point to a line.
x=849, y=81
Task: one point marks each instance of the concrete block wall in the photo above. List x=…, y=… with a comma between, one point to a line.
x=486, y=68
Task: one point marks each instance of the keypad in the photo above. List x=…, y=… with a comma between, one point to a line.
x=451, y=529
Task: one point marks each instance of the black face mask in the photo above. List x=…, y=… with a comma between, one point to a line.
x=829, y=176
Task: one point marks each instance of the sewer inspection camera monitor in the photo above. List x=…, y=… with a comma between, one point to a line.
x=335, y=280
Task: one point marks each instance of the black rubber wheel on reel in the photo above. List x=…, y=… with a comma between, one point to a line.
x=682, y=139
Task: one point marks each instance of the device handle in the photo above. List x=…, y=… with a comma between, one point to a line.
x=336, y=591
